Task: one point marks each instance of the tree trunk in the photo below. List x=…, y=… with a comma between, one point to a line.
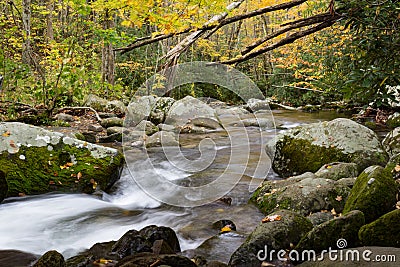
x=49, y=21
x=107, y=55
x=26, y=27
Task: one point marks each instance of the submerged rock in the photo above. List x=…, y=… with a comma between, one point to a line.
x=274, y=235
x=304, y=195
x=374, y=193
x=309, y=147
x=51, y=258
x=382, y=232
x=37, y=161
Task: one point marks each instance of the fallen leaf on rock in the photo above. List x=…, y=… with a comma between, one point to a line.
x=12, y=144
x=397, y=168
x=398, y=205
x=328, y=166
x=69, y=164
x=339, y=198
x=225, y=229
x=21, y=194
x=79, y=175
x=6, y=134
x=333, y=211
x=271, y=218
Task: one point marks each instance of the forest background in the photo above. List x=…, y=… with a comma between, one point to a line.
x=55, y=52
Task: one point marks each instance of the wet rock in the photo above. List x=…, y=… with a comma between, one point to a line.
x=37, y=161
x=320, y=217
x=95, y=128
x=111, y=122
x=150, y=259
x=162, y=138
x=382, y=232
x=3, y=186
x=391, y=142
x=104, y=115
x=206, y=123
x=111, y=138
x=139, y=109
x=51, y=259
x=309, y=147
x=16, y=258
x=232, y=111
x=166, y=127
x=357, y=257
x=222, y=223
x=64, y=117
x=393, y=120
x=147, y=127
x=132, y=242
x=186, y=109
x=96, y=252
x=258, y=122
x=338, y=170
x=374, y=193
x=153, y=233
x=258, y=104
x=190, y=128
x=161, y=247
x=326, y=235
x=305, y=196
x=274, y=235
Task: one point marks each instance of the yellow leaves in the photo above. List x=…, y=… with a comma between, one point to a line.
x=271, y=218
x=225, y=229
x=6, y=134
x=66, y=165
x=397, y=168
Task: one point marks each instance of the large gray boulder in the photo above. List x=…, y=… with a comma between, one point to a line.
x=139, y=109
x=273, y=235
x=303, y=195
x=103, y=105
x=308, y=147
x=37, y=161
x=374, y=193
x=188, y=108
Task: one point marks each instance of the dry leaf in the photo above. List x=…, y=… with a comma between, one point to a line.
x=59, y=182
x=225, y=229
x=398, y=205
x=12, y=144
x=329, y=167
x=6, y=134
x=69, y=164
x=333, y=211
x=79, y=175
x=397, y=168
x=318, y=186
x=339, y=198
x=271, y=218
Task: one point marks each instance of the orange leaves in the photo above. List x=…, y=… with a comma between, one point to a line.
x=271, y=218
x=66, y=165
x=6, y=134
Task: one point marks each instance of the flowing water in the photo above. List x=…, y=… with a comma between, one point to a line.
x=70, y=223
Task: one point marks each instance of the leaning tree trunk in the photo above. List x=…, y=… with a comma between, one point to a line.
x=107, y=55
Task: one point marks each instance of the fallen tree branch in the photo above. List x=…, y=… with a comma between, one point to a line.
x=296, y=87
x=290, y=39
x=149, y=40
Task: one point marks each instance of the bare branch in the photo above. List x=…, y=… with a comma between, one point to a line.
x=290, y=39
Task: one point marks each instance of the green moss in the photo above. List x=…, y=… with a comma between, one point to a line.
x=373, y=197
x=382, y=232
x=304, y=156
x=35, y=170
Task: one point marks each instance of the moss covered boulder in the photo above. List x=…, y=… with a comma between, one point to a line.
x=304, y=196
x=309, y=147
x=3, y=186
x=384, y=231
x=51, y=258
x=374, y=193
x=273, y=235
x=326, y=235
x=338, y=170
x=37, y=161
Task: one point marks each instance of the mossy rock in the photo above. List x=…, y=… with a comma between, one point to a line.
x=51, y=258
x=276, y=235
x=393, y=120
x=326, y=235
x=3, y=186
x=391, y=142
x=374, y=193
x=338, y=170
x=304, y=196
x=38, y=161
x=382, y=232
x=391, y=166
x=307, y=148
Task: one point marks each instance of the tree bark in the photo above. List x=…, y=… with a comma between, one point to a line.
x=107, y=55
x=26, y=27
